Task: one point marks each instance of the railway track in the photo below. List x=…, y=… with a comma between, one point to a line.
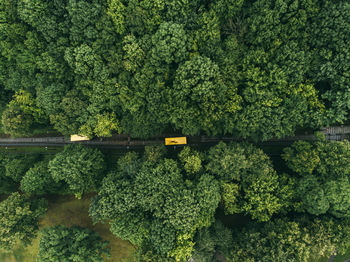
x=123, y=141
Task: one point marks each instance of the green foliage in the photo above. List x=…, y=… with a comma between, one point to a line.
x=249, y=182
x=285, y=240
x=38, y=180
x=71, y=244
x=151, y=203
x=170, y=45
x=329, y=38
x=213, y=240
x=132, y=226
x=323, y=184
x=153, y=154
x=14, y=166
x=257, y=69
x=337, y=193
x=230, y=197
x=227, y=162
x=191, y=160
x=334, y=158
x=78, y=166
x=116, y=11
x=106, y=125
x=197, y=99
x=301, y=157
x=19, y=219
x=21, y=115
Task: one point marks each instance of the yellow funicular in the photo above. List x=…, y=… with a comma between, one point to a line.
x=173, y=141
x=76, y=138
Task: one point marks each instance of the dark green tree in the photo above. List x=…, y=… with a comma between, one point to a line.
x=330, y=50
x=323, y=176
x=22, y=115
x=285, y=240
x=15, y=166
x=38, y=180
x=19, y=219
x=212, y=241
x=78, y=166
x=71, y=244
x=249, y=184
x=146, y=197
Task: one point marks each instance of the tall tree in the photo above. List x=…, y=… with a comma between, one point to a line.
x=290, y=240
x=71, y=244
x=19, y=219
x=152, y=204
x=249, y=184
x=78, y=166
x=323, y=174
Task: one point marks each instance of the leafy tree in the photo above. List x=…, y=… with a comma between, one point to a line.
x=272, y=105
x=80, y=167
x=324, y=172
x=153, y=154
x=301, y=157
x=198, y=96
x=146, y=197
x=71, y=115
x=213, y=240
x=19, y=219
x=337, y=193
x=230, y=197
x=249, y=182
x=329, y=39
x=71, y=244
x=334, y=158
x=106, y=124
x=226, y=162
x=191, y=160
x=169, y=45
x=132, y=226
x=312, y=195
x=38, y=180
x=49, y=98
x=22, y=115
x=284, y=240
x=116, y=10
x=15, y=166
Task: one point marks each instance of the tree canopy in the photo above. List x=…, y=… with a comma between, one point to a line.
x=257, y=69
x=290, y=240
x=78, y=166
x=71, y=244
x=19, y=219
x=249, y=183
x=323, y=173
x=152, y=203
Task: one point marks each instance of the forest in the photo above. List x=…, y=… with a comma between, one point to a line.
x=253, y=70
x=168, y=204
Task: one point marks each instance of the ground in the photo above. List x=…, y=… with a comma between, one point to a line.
x=70, y=211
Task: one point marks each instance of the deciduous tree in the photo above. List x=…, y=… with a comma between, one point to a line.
x=19, y=219
x=71, y=244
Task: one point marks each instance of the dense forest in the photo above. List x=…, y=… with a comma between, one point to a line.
x=255, y=69
x=168, y=205
x=251, y=69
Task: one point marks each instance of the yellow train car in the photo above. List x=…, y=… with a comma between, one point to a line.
x=173, y=141
x=76, y=138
